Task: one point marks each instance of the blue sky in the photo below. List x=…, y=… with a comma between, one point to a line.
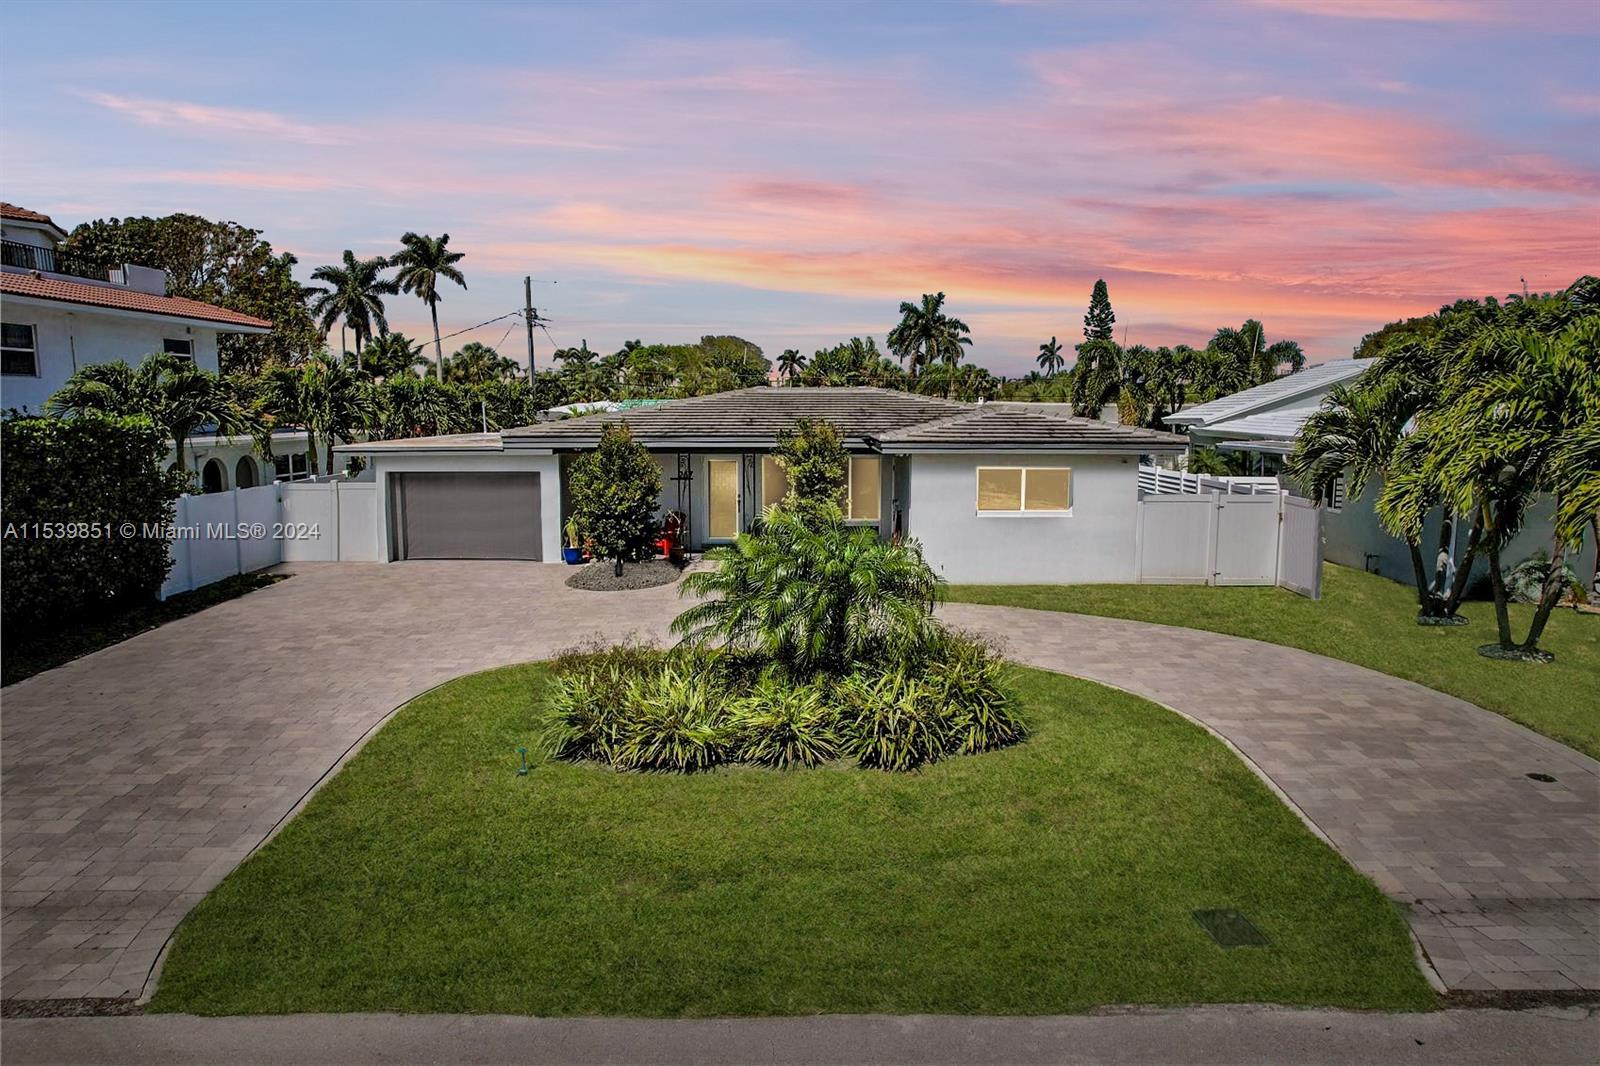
x=790, y=173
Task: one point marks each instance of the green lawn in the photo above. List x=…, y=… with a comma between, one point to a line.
x=1370, y=621
x=34, y=651
x=1052, y=876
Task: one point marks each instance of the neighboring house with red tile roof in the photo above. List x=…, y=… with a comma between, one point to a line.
x=57, y=315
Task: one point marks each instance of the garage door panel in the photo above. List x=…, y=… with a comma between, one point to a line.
x=467, y=516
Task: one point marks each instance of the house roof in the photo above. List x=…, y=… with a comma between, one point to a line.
x=1008, y=427
x=1312, y=380
x=22, y=214
x=120, y=299
x=1280, y=425
x=451, y=442
x=745, y=418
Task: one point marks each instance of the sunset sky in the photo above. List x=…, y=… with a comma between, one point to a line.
x=790, y=173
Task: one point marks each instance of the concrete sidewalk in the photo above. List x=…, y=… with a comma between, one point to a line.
x=1200, y=1035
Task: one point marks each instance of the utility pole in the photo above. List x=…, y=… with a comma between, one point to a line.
x=527, y=310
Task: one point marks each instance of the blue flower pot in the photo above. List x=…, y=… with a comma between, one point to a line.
x=572, y=556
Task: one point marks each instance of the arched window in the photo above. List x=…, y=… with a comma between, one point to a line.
x=213, y=477
x=244, y=473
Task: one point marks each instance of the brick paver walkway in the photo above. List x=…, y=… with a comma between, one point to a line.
x=136, y=778
x=1428, y=795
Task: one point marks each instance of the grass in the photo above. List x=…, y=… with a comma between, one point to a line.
x=35, y=653
x=1370, y=621
x=1053, y=876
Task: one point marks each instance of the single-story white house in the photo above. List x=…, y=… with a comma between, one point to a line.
x=994, y=492
x=1263, y=424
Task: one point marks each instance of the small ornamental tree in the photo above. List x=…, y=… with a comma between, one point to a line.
x=812, y=455
x=614, y=493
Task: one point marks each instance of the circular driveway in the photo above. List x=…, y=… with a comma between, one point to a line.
x=136, y=778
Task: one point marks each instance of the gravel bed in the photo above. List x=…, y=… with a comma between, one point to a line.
x=601, y=576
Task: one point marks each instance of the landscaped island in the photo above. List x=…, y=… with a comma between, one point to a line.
x=1049, y=876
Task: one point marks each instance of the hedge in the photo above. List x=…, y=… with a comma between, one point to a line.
x=70, y=486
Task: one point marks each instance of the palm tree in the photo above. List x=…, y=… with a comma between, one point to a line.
x=172, y=393
x=926, y=335
x=477, y=363
x=355, y=295
x=423, y=261
x=326, y=397
x=790, y=363
x=1357, y=435
x=1050, y=358
x=1518, y=430
x=418, y=407
x=390, y=355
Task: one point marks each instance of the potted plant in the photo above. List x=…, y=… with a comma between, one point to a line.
x=572, y=553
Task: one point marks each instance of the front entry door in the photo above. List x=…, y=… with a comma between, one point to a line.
x=722, y=499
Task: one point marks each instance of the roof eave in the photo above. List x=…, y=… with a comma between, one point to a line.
x=1141, y=448
x=30, y=299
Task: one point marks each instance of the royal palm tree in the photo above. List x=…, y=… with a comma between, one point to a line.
x=172, y=393
x=1050, y=358
x=355, y=296
x=424, y=261
x=790, y=363
x=926, y=335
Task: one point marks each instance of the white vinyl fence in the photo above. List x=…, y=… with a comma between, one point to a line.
x=222, y=534
x=1155, y=479
x=1217, y=538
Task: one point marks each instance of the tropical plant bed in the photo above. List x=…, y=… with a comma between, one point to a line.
x=1055, y=875
x=1371, y=621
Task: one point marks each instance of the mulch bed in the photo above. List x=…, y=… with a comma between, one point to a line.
x=601, y=576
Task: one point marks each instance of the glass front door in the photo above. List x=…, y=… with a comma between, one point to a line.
x=722, y=499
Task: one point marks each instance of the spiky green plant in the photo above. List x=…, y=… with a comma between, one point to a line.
x=813, y=598
x=675, y=721
x=969, y=680
x=781, y=724
x=893, y=720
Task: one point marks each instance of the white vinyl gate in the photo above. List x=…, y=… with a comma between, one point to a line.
x=1216, y=538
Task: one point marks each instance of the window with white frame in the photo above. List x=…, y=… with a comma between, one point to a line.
x=182, y=348
x=863, y=497
x=19, y=350
x=1024, y=490
x=774, y=482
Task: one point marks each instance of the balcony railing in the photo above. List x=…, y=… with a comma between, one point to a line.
x=48, y=260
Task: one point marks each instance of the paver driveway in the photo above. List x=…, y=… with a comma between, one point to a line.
x=136, y=778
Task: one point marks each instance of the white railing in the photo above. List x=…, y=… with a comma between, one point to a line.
x=1158, y=481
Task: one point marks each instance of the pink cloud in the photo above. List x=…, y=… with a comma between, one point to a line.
x=1453, y=11
x=226, y=121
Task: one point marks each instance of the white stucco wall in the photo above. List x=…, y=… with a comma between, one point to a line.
x=546, y=466
x=70, y=339
x=1092, y=543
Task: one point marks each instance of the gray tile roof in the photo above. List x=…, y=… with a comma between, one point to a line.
x=745, y=417
x=1017, y=427
x=1312, y=380
x=452, y=442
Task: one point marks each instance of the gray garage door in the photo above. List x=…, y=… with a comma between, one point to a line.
x=466, y=516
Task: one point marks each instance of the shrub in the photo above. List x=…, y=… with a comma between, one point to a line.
x=813, y=598
x=674, y=721
x=813, y=457
x=893, y=721
x=614, y=494
x=968, y=680
x=93, y=470
x=782, y=725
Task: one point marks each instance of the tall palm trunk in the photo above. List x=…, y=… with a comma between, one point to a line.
x=1419, y=572
x=1458, y=588
x=439, y=349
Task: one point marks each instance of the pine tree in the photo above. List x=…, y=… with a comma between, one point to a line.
x=1098, y=322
